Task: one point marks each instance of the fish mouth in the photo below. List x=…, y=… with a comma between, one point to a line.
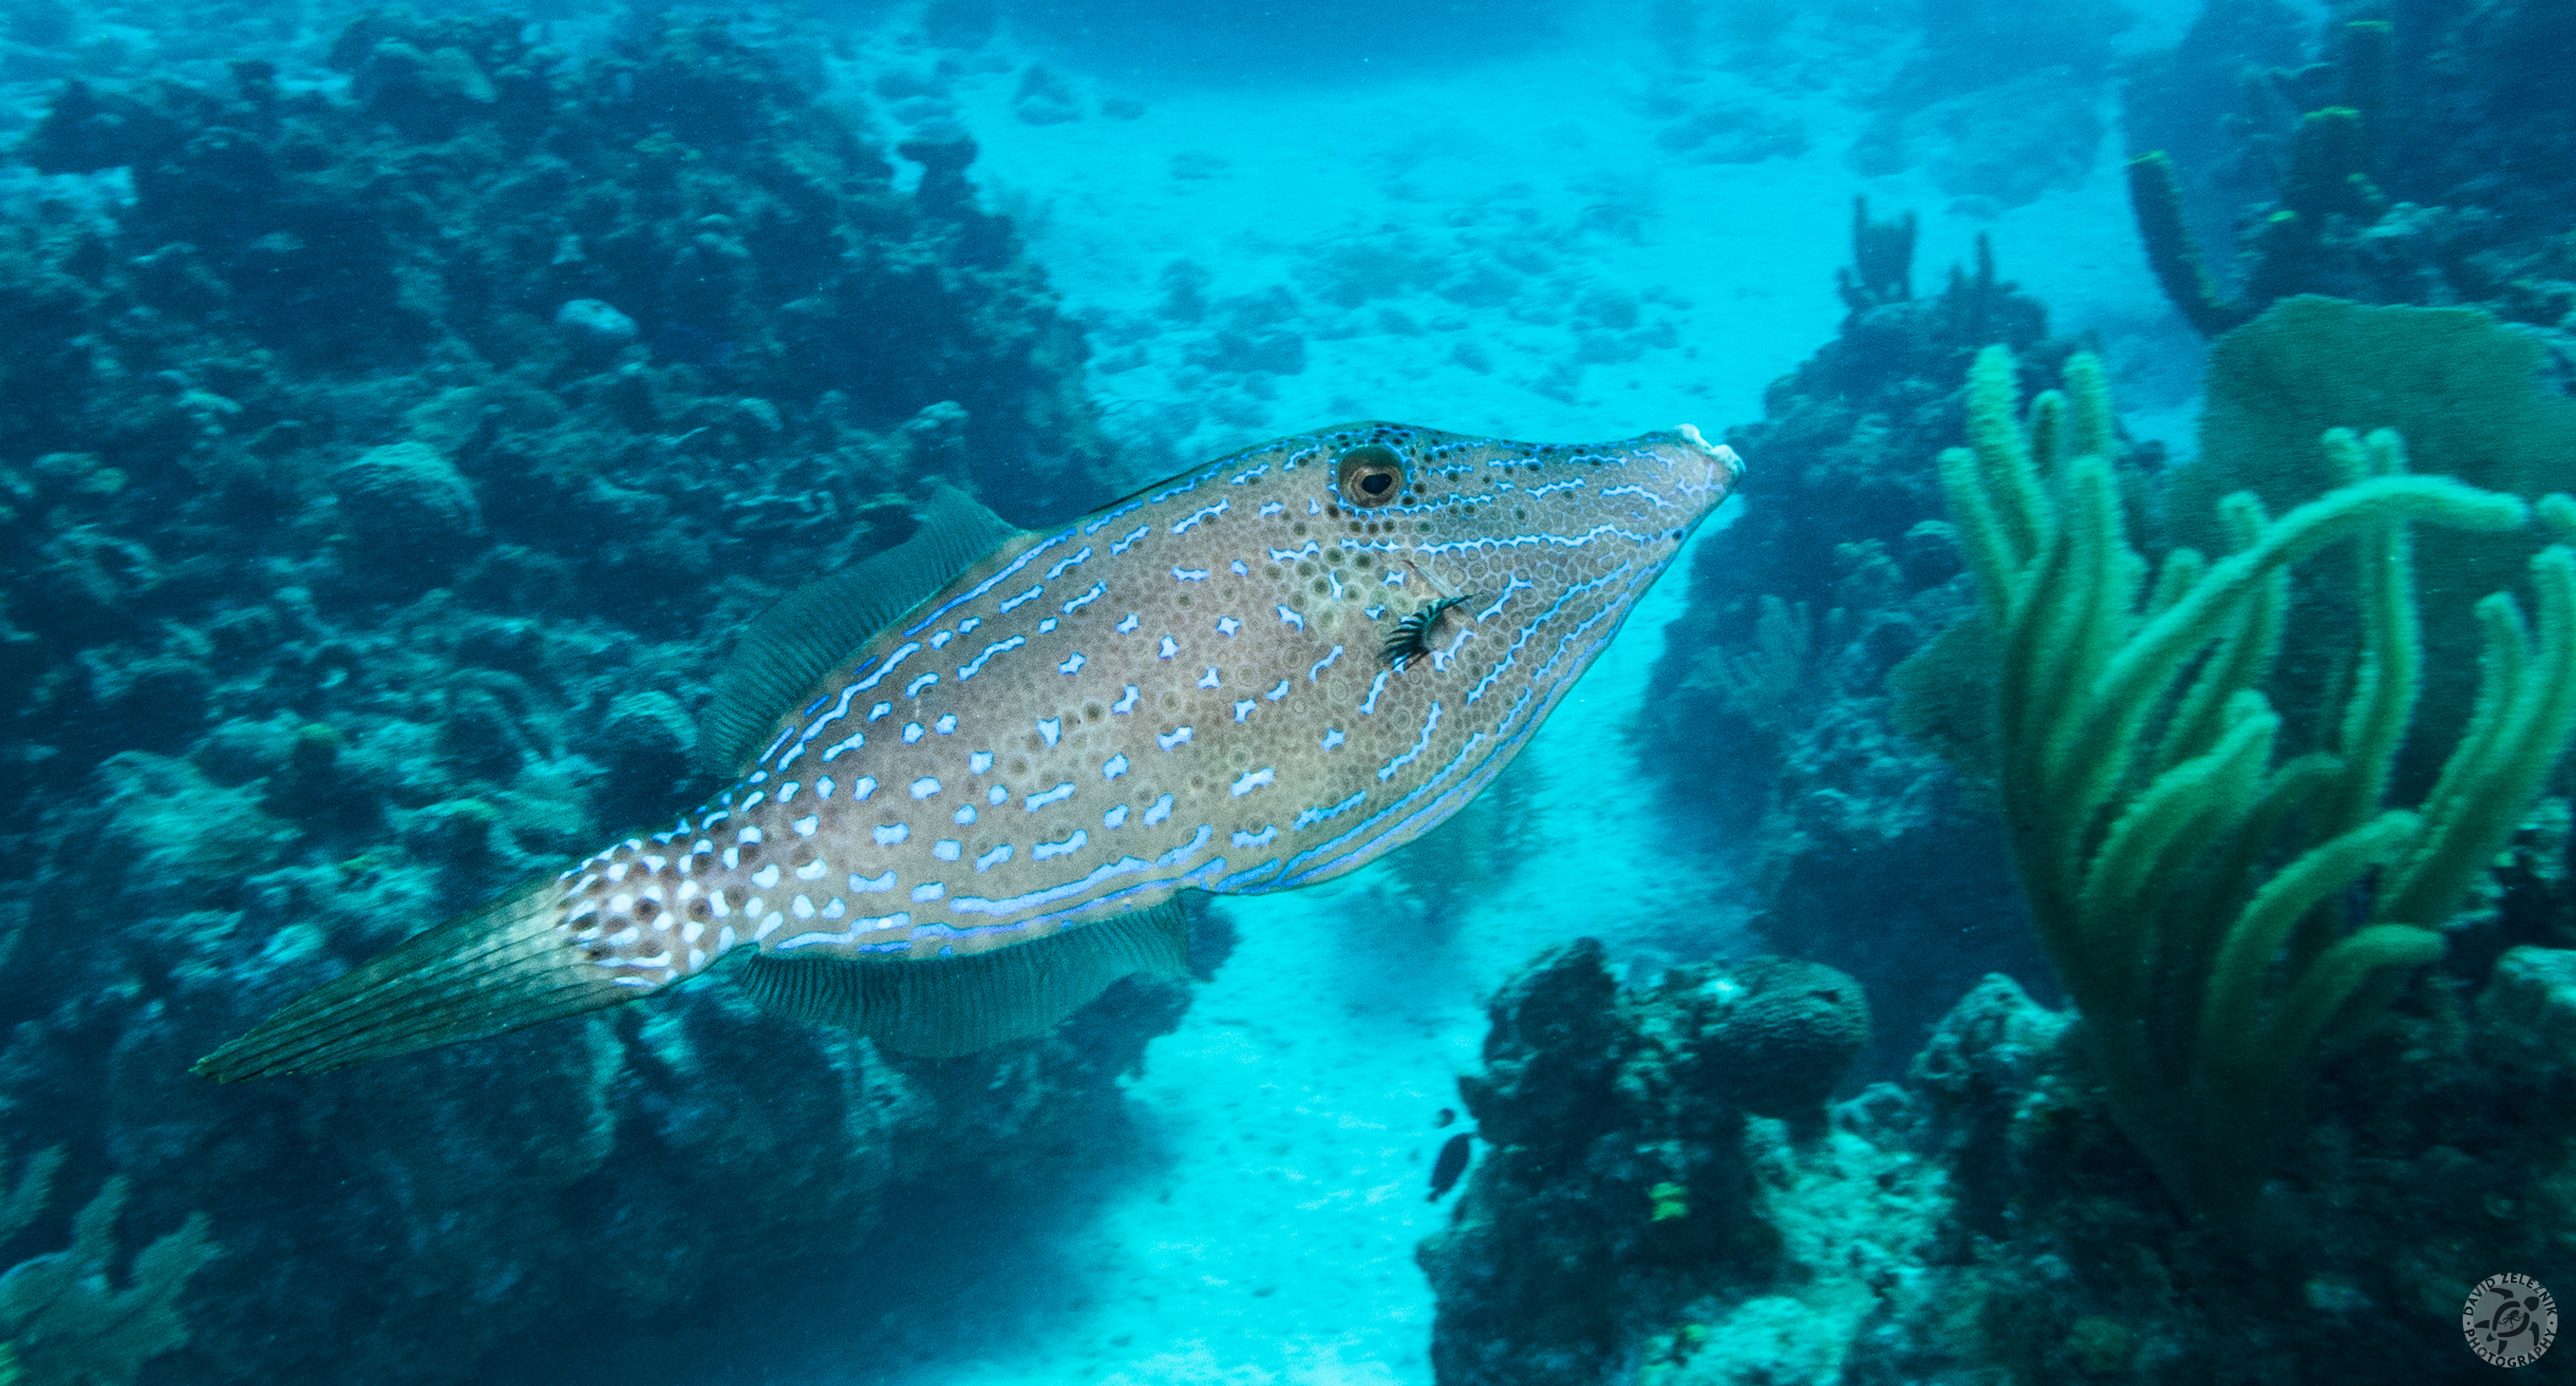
x=1719, y=452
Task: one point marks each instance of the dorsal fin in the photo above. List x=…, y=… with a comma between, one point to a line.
x=943, y=1007
x=819, y=624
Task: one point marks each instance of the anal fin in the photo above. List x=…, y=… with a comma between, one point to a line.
x=943, y=1007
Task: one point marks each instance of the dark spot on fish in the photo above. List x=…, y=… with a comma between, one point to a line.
x=1272, y=572
x=1093, y=712
x=749, y=851
x=1451, y=1164
x=1412, y=638
x=700, y=910
x=1185, y=599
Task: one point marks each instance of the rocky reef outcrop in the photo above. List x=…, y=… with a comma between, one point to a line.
x=1982, y=1219
x=1628, y=1157
x=1773, y=717
x=383, y=483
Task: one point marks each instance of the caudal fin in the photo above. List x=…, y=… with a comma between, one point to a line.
x=501, y=968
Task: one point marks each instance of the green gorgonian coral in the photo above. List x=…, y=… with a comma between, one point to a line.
x=2224, y=922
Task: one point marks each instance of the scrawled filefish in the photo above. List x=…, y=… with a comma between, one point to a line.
x=973, y=773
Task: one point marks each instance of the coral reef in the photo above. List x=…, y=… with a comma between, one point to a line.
x=2059, y=1260
x=1772, y=722
x=1623, y=1177
x=749, y=240
x=1784, y=1036
x=1882, y=268
x=1984, y=1219
x=2468, y=396
x=2190, y=890
x=2351, y=182
x=63, y=1319
x=392, y=476
x=2195, y=103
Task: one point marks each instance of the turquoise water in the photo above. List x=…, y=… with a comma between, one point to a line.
x=273, y=711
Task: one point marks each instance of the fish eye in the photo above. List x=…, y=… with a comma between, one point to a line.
x=1369, y=475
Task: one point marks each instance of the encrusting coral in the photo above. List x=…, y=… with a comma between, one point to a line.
x=65, y=1321
x=2191, y=891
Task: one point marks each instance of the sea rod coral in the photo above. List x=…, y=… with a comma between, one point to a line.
x=2191, y=891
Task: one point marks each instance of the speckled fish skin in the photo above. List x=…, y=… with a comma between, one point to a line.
x=1187, y=689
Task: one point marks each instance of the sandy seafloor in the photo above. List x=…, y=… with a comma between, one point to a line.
x=1265, y=1231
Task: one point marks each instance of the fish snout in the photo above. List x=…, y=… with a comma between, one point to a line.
x=1710, y=471
x=1727, y=459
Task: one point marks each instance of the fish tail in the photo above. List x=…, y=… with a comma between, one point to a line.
x=505, y=966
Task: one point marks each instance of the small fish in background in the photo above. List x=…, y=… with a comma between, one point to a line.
x=974, y=773
x=1451, y=1164
x=1445, y=1117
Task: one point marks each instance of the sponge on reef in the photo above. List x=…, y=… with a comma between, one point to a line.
x=2462, y=390
x=1791, y=1034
